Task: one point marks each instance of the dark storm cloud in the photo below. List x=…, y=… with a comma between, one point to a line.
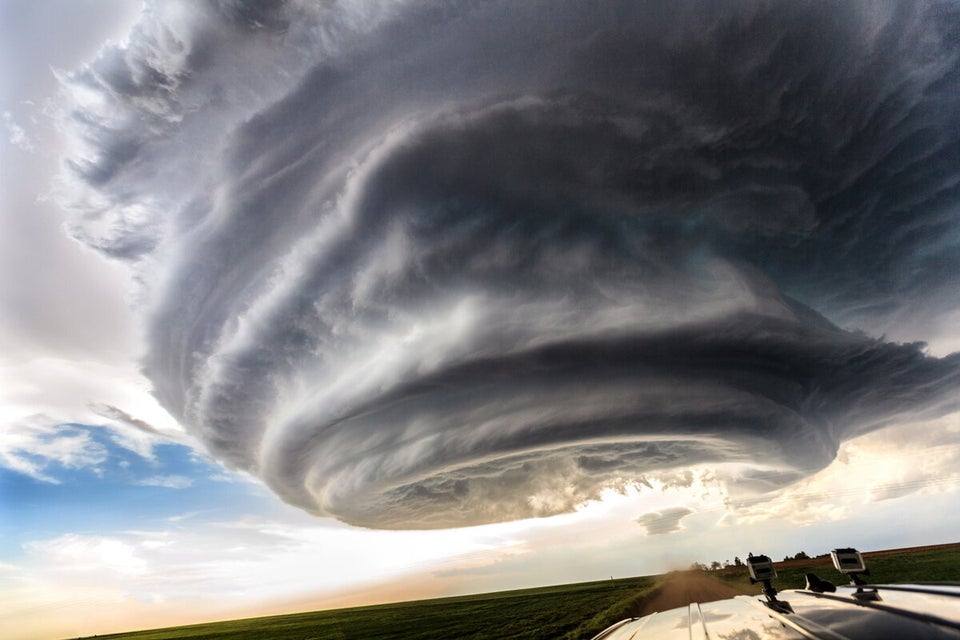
x=425, y=266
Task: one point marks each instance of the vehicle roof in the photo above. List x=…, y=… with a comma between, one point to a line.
x=873, y=611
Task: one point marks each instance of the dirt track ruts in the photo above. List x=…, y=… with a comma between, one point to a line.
x=684, y=587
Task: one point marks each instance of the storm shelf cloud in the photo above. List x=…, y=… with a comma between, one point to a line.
x=421, y=266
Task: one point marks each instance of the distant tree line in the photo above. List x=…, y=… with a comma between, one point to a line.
x=716, y=565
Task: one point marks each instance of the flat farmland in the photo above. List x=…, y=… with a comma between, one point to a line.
x=563, y=612
x=566, y=611
x=937, y=563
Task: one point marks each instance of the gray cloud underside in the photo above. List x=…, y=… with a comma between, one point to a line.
x=666, y=521
x=435, y=266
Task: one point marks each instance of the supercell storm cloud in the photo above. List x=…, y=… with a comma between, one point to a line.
x=427, y=265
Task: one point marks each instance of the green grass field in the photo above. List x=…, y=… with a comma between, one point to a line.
x=911, y=565
x=565, y=612
x=568, y=611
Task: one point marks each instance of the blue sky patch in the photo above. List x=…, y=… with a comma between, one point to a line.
x=121, y=491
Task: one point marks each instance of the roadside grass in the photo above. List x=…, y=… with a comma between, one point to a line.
x=565, y=611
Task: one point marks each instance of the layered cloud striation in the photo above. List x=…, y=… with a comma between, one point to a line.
x=422, y=265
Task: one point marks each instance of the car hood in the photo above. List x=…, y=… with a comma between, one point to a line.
x=872, y=611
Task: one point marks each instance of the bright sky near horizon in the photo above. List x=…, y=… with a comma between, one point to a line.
x=313, y=304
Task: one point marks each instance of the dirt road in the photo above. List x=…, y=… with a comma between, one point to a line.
x=684, y=587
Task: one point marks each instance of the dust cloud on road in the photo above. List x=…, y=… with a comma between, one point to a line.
x=684, y=587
